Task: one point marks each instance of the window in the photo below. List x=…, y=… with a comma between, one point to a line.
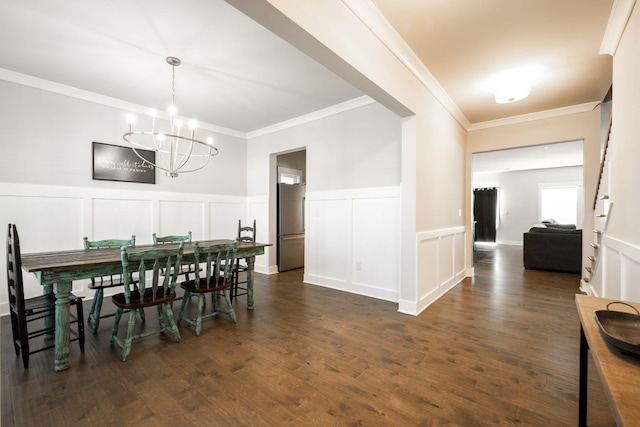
x=560, y=203
x=289, y=176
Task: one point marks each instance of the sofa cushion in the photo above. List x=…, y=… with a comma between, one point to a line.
x=553, y=230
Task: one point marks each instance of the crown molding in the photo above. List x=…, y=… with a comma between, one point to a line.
x=316, y=115
x=384, y=31
x=547, y=114
x=60, y=89
x=620, y=13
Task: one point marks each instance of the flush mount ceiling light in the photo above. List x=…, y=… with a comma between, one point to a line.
x=513, y=84
x=174, y=148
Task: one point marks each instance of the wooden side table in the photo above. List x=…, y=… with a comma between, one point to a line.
x=620, y=373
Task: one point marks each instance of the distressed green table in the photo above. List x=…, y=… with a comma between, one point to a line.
x=57, y=270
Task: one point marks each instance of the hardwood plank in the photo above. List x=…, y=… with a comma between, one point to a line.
x=498, y=349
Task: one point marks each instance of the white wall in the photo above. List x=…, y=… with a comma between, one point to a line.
x=618, y=272
x=353, y=200
x=46, y=138
x=359, y=148
x=518, y=197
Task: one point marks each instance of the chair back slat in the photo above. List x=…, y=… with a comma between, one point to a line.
x=108, y=243
x=247, y=233
x=219, y=259
x=171, y=239
x=102, y=244
x=14, y=270
x=166, y=258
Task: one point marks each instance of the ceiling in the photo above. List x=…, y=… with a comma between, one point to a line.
x=562, y=154
x=235, y=74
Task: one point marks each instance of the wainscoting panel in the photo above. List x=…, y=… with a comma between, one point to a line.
x=427, y=266
x=45, y=222
x=619, y=271
x=258, y=209
x=630, y=279
x=223, y=219
x=459, y=256
x=57, y=218
x=441, y=265
x=353, y=241
x=120, y=218
x=610, y=287
x=179, y=217
x=328, y=240
x=376, y=267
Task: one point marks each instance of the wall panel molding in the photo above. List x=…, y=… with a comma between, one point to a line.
x=441, y=266
x=57, y=217
x=618, y=270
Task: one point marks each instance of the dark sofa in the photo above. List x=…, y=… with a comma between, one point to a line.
x=557, y=247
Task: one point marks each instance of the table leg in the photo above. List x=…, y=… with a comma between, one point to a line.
x=62, y=291
x=250, y=263
x=49, y=318
x=583, y=380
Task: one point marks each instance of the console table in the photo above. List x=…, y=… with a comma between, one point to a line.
x=620, y=373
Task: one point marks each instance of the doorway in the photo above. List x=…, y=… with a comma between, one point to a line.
x=290, y=218
x=485, y=214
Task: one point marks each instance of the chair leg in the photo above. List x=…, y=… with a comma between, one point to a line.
x=129, y=340
x=24, y=343
x=173, y=328
x=185, y=298
x=201, y=301
x=234, y=283
x=15, y=331
x=229, y=310
x=96, y=308
x=116, y=322
x=80, y=314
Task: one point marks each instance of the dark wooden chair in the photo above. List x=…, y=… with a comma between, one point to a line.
x=100, y=283
x=26, y=311
x=137, y=296
x=245, y=234
x=218, y=271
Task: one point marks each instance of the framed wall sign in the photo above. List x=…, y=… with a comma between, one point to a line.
x=117, y=163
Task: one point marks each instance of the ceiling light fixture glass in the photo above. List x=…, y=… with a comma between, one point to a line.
x=512, y=85
x=175, y=148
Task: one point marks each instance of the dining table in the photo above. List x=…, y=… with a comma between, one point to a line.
x=57, y=270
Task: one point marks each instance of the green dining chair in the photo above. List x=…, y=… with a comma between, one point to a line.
x=100, y=283
x=137, y=295
x=216, y=279
x=185, y=269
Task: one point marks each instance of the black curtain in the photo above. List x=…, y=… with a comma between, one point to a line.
x=485, y=207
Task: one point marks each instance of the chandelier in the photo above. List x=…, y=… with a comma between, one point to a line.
x=175, y=148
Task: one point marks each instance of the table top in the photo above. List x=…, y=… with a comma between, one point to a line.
x=39, y=261
x=620, y=373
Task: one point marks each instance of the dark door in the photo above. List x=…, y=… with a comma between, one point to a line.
x=485, y=214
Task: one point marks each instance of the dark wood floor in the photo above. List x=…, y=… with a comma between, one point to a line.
x=499, y=349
